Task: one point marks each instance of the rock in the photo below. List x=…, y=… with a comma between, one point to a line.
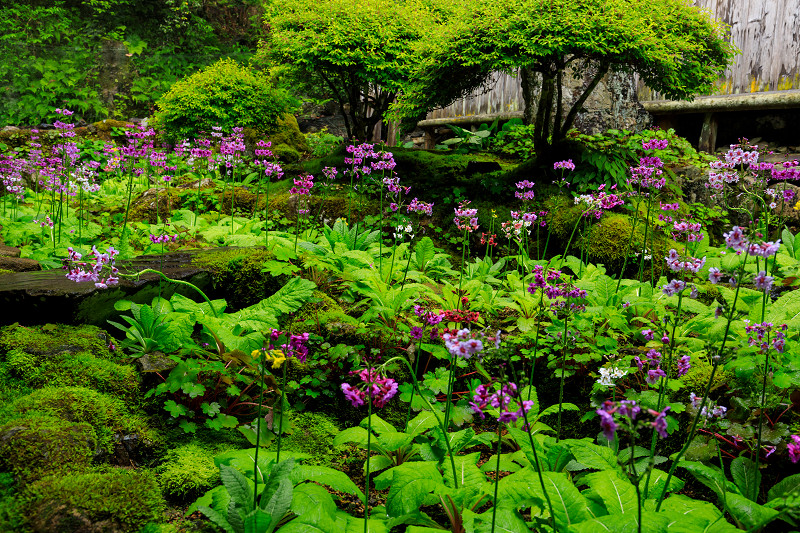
x=18, y=264
x=482, y=167
x=9, y=251
x=10, y=128
x=155, y=362
x=201, y=184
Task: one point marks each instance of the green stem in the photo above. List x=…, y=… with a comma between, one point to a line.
x=175, y=281
x=561, y=383
x=450, y=382
x=438, y=420
x=715, y=365
x=258, y=431
x=632, y=465
x=644, y=246
x=496, y=477
x=369, y=450
x=282, y=401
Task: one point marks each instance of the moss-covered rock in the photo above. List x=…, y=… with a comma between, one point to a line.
x=37, y=445
x=187, y=472
x=51, y=339
x=105, y=129
x=288, y=132
x=236, y=273
x=107, y=500
x=108, y=416
x=608, y=240
x=66, y=356
x=285, y=153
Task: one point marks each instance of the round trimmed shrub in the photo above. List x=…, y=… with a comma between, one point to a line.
x=224, y=94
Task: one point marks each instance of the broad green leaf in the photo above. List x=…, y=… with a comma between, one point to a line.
x=618, y=495
x=217, y=517
x=423, y=253
x=569, y=505
x=259, y=521
x=326, y=476
x=238, y=487
x=409, y=486
x=652, y=522
x=379, y=425
x=748, y=512
x=357, y=435
x=710, y=476
x=310, y=498
x=658, y=478
x=592, y=455
x=687, y=514
x=507, y=520
x=279, y=503
x=421, y=423
x=784, y=487
x=746, y=477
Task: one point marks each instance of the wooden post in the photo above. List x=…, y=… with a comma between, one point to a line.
x=708, y=133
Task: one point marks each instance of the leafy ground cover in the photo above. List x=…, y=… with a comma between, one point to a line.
x=576, y=354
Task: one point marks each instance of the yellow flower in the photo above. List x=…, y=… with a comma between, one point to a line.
x=276, y=357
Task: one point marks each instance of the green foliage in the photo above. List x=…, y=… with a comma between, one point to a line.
x=546, y=38
x=356, y=53
x=187, y=471
x=224, y=94
x=36, y=445
x=323, y=143
x=124, y=499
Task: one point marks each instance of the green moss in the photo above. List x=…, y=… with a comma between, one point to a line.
x=237, y=274
x=104, y=500
x=187, y=472
x=286, y=153
x=313, y=433
x=106, y=414
x=609, y=239
x=697, y=377
x=288, y=132
x=11, y=510
x=5, y=271
x=51, y=339
x=68, y=369
x=36, y=445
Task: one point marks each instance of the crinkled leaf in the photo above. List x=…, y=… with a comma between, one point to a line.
x=409, y=486
x=748, y=512
x=310, y=498
x=326, y=476
x=785, y=486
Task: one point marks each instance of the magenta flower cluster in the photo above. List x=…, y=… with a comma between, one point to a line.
x=679, y=263
x=103, y=261
x=466, y=219
x=759, y=335
x=159, y=239
x=655, y=144
x=420, y=208
x=302, y=185
x=738, y=241
x=379, y=388
x=502, y=400
x=566, y=164
x=794, y=448
x=525, y=190
x=463, y=343
x=627, y=410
